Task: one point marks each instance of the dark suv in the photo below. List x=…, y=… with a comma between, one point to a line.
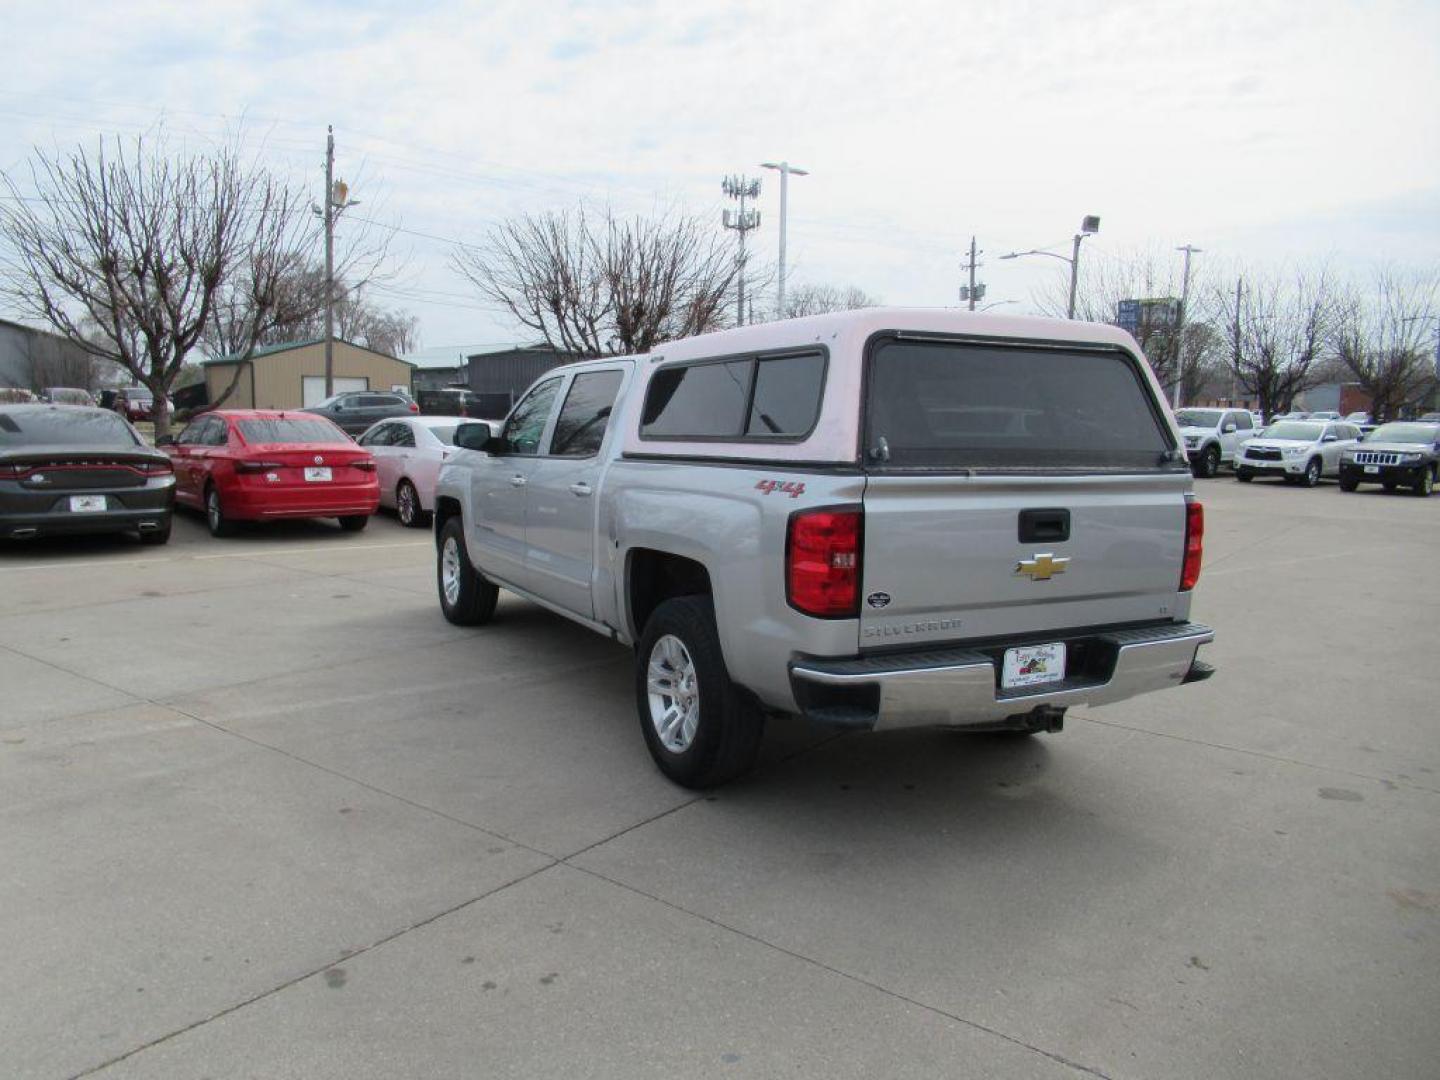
x=1399, y=454
x=69, y=469
x=355, y=410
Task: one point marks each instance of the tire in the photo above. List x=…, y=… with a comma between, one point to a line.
x=466, y=598
x=1425, y=485
x=1209, y=463
x=354, y=522
x=156, y=537
x=1389, y=486
x=1347, y=484
x=712, y=728
x=1244, y=475
x=1312, y=473
x=215, y=518
x=407, y=505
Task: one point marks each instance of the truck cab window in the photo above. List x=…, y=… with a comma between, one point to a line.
x=527, y=422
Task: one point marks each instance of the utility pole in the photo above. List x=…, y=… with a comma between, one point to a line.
x=329, y=260
x=972, y=292
x=785, y=169
x=740, y=188
x=1188, y=249
x=336, y=199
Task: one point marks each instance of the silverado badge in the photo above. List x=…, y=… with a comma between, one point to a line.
x=1042, y=567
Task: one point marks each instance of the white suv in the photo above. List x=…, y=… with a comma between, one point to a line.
x=1301, y=451
x=1213, y=436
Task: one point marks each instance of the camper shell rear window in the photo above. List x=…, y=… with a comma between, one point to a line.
x=772, y=397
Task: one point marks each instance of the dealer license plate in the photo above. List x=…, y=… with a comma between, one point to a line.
x=1031, y=665
x=313, y=472
x=1372, y=469
x=87, y=504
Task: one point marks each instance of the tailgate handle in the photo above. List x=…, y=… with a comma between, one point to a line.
x=1044, y=526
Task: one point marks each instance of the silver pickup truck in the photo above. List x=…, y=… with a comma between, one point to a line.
x=877, y=519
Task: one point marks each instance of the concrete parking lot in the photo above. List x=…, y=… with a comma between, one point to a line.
x=264, y=813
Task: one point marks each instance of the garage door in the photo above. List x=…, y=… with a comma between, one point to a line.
x=315, y=387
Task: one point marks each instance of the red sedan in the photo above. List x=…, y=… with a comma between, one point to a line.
x=259, y=464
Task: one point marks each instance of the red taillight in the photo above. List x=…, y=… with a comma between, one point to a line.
x=1194, y=545
x=414, y=408
x=364, y=465
x=822, y=563
x=257, y=466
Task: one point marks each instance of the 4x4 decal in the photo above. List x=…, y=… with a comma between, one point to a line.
x=793, y=488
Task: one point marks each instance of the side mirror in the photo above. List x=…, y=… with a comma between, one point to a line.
x=474, y=437
x=165, y=440
x=1360, y=437
x=1331, y=438
x=1228, y=429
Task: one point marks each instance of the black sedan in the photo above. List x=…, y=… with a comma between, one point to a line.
x=71, y=469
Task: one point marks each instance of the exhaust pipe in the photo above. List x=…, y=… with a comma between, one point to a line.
x=149, y=526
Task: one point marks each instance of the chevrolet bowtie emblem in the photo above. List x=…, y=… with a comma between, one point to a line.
x=1042, y=567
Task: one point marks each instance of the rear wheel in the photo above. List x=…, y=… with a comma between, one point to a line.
x=466, y=597
x=1425, y=485
x=700, y=728
x=354, y=522
x=215, y=518
x=156, y=536
x=407, y=505
x=1312, y=473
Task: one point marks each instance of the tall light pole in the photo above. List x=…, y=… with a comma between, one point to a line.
x=1089, y=226
x=784, y=168
x=1188, y=249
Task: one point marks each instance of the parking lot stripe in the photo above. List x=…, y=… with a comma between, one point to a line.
x=263, y=553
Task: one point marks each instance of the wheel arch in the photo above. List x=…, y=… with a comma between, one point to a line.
x=653, y=576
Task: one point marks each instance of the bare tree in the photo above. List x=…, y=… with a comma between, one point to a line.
x=1276, y=333
x=141, y=243
x=597, y=285
x=1384, y=339
x=802, y=300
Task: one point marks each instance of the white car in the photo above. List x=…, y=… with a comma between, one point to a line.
x=1213, y=436
x=408, y=452
x=1299, y=451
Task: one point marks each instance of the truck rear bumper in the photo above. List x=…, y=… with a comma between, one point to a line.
x=960, y=687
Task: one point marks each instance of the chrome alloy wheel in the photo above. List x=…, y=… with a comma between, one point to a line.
x=405, y=504
x=674, y=694
x=450, y=571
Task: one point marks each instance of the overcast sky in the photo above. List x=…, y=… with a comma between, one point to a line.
x=1266, y=132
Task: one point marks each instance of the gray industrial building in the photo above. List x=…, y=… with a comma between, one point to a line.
x=509, y=369
x=33, y=359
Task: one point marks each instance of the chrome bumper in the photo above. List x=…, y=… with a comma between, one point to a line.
x=959, y=687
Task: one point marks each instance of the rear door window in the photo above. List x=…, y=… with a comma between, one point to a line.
x=938, y=404
x=580, y=428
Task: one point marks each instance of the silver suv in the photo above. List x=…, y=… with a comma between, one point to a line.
x=876, y=519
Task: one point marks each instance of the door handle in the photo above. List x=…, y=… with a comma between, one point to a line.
x=517, y=481
x=580, y=488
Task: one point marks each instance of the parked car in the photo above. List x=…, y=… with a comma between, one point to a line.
x=1297, y=451
x=262, y=464
x=1430, y=418
x=68, y=469
x=1398, y=454
x=408, y=453
x=66, y=395
x=355, y=410
x=1360, y=418
x=458, y=401
x=877, y=518
x=135, y=403
x=1213, y=436
x=15, y=395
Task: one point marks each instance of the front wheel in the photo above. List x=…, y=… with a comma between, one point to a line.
x=466, y=597
x=700, y=728
x=1312, y=473
x=1425, y=485
x=1244, y=475
x=1209, y=464
x=1347, y=484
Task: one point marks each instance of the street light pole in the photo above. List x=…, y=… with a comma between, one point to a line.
x=784, y=168
x=1188, y=249
x=1089, y=226
x=329, y=260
